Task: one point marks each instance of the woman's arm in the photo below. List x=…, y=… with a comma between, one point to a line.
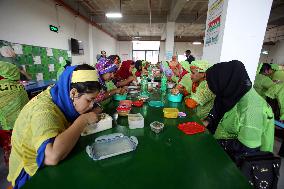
x=64, y=142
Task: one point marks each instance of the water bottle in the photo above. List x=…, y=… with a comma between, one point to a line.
x=144, y=85
x=164, y=83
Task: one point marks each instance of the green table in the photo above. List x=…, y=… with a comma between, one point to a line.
x=170, y=159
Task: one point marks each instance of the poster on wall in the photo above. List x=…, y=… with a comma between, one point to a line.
x=169, y=55
x=214, y=17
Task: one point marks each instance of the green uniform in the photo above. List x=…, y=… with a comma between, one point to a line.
x=278, y=75
x=251, y=121
x=205, y=99
x=13, y=95
x=110, y=86
x=262, y=83
x=277, y=92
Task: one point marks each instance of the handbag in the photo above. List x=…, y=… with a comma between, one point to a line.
x=260, y=168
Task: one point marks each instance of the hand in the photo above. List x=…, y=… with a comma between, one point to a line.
x=120, y=91
x=205, y=122
x=175, y=91
x=89, y=118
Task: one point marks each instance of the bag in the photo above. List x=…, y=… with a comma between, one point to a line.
x=261, y=169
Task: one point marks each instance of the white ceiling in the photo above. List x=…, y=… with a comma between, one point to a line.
x=147, y=18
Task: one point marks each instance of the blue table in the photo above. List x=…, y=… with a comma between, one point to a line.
x=33, y=87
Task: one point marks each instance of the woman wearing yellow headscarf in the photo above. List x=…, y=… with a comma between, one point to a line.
x=13, y=97
x=49, y=126
x=201, y=99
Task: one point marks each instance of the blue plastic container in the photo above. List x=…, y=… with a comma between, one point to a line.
x=119, y=97
x=175, y=98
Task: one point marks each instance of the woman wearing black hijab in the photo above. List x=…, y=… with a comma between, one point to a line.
x=240, y=119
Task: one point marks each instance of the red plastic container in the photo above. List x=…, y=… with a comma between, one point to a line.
x=126, y=103
x=191, y=128
x=138, y=103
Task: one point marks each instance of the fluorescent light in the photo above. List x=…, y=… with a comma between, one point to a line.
x=137, y=37
x=114, y=15
x=196, y=43
x=264, y=52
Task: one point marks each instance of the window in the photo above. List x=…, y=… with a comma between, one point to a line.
x=146, y=50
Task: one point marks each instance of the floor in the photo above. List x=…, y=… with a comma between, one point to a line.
x=4, y=171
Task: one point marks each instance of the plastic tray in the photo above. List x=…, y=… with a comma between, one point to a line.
x=111, y=145
x=191, y=128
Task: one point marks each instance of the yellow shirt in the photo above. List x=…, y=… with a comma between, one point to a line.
x=38, y=121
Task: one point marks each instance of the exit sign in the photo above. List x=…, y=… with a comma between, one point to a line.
x=53, y=28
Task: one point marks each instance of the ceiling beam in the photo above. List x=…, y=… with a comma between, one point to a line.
x=85, y=18
x=176, y=7
x=276, y=14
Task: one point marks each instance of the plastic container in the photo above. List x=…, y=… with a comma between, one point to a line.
x=191, y=128
x=170, y=85
x=119, y=97
x=103, y=124
x=156, y=103
x=144, y=98
x=126, y=103
x=170, y=112
x=135, y=121
x=175, y=98
x=157, y=127
x=123, y=110
x=138, y=103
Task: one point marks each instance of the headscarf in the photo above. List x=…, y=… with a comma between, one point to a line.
x=200, y=65
x=185, y=69
x=60, y=94
x=105, y=66
x=123, y=72
x=229, y=81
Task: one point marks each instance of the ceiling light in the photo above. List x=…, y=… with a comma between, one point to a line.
x=264, y=52
x=113, y=15
x=196, y=43
x=137, y=37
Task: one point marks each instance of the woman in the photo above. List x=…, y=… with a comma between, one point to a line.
x=240, y=119
x=106, y=69
x=124, y=75
x=184, y=80
x=13, y=98
x=49, y=126
x=138, y=66
x=201, y=99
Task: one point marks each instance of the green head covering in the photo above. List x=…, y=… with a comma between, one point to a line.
x=185, y=65
x=274, y=66
x=202, y=65
x=9, y=71
x=259, y=67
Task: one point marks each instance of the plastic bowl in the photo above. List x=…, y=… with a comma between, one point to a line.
x=119, y=97
x=175, y=98
x=138, y=103
x=123, y=110
x=156, y=127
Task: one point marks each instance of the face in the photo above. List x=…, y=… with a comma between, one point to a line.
x=131, y=68
x=108, y=76
x=196, y=76
x=103, y=53
x=268, y=72
x=83, y=103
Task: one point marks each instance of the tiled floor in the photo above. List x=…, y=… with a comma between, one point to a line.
x=4, y=171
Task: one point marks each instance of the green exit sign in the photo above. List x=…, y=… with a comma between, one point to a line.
x=53, y=28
